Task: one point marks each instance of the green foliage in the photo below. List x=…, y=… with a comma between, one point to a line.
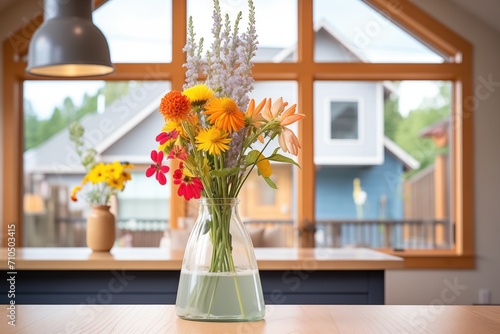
x=408, y=135
x=113, y=90
x=31, y=128
x=87, y=155
x=270, y=183
x=408, y=130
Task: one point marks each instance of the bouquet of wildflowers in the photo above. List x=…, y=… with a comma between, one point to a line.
x=212, y=127
x=105, y=179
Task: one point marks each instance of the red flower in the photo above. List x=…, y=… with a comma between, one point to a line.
x=163, y=137
x=157, y=167
x=189, y=187
x=178, y=152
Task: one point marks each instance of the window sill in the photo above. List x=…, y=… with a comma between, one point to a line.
x=433, y=259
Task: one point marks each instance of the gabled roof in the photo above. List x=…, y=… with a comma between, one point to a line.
x=323, y=25
x=57, y=154
x=351, y=54
x=408, y=161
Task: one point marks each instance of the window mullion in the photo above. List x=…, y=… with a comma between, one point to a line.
x=305, y=178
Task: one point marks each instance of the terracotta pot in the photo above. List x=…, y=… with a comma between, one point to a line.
x=100, y=229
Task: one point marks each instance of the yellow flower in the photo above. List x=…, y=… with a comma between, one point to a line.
x=198, y=94
x=125, y=176
x=177, y=126
x=263, y=164
x=97, y=174
x=224, y=114
x=115, y=183
x=213, y=141
x=127, y=165
x=114, y=170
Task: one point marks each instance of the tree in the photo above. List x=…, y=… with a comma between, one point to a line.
x=113, y=90
x=89, y=106
x=408, y=133
x=38, y=131
x=31, y=126
x=392, y=116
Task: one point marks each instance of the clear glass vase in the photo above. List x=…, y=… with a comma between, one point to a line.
x=219, y=277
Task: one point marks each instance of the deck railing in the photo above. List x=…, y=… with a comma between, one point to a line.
x=392, y=234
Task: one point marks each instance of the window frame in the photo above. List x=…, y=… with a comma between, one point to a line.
x=305, y=71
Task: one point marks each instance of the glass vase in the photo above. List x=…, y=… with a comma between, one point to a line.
x=219, y=277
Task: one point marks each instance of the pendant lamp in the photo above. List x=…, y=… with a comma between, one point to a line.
x=68, y=44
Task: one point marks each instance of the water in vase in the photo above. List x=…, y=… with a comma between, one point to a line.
x=214, y=296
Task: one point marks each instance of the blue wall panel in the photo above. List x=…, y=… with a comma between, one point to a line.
x=334, y=187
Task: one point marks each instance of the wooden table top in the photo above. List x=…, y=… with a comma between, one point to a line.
x=280, y=319
x=67, y=258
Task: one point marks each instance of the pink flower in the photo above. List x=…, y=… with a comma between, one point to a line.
x=189, y=187
x=288, y=141
x=277, y=111
x=178, y=152
x=157, y=167
x=163, y=137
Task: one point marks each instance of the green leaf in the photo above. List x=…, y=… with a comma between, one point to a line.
x=270, y=183
x=252, y=157
x=282, y=158
x=224, y=172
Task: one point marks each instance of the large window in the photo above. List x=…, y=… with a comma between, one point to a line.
x=323, y=47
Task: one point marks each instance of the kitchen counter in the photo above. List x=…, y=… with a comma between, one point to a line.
x=310, y=319
x=151, y=275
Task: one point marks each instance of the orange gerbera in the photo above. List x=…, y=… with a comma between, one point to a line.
x=223, y=112
x=175, y=106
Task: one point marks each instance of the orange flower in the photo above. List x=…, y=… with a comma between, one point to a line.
x=253, y=114
x=175, y=106
x=224, y=114
x=74, y=191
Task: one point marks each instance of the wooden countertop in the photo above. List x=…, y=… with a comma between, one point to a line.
x=165, y=259
x=297, y=319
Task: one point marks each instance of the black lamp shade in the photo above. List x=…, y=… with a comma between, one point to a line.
x=68, y=44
